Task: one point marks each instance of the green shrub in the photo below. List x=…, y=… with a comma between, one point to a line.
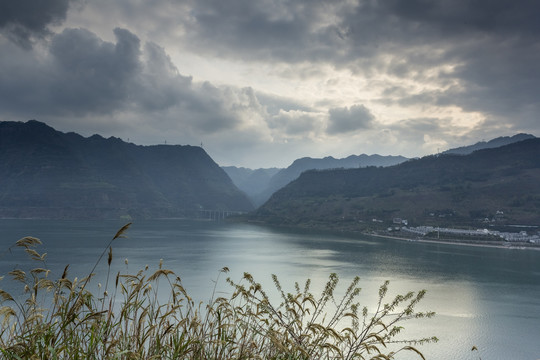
x=61, y=319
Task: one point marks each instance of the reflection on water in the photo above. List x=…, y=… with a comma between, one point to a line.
x=484, y=297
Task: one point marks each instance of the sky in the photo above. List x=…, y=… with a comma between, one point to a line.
x=260, y=83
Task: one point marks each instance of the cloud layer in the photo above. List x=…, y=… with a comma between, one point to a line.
x=263, y=83
x=23, y=20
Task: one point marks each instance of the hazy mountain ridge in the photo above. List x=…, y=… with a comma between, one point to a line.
x=493, y=143
x=446, y=188
x=250, y=181
x=49, y=174
x=260, y=189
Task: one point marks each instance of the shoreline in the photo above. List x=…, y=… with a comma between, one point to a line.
x=473, y=243
x=449, y=242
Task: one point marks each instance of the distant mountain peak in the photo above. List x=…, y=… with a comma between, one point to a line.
x=493, y=143
x=266, y=186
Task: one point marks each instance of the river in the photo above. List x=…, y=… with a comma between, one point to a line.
x=484, y=297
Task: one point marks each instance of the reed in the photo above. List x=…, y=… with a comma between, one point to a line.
x=125, y=319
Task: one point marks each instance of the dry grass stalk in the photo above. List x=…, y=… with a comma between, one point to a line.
x=132, y=323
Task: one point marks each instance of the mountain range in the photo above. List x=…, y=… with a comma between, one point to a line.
x=46, y=173
x=494, y=143
x=498, y=184
x=260, y=184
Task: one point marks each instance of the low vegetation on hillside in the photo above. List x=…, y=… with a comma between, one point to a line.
x=46, y=173
x=126, y=319
x=496, y=185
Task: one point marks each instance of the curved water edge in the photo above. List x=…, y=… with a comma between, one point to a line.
x=508, y=246
x=389, y=235
x=485, y=297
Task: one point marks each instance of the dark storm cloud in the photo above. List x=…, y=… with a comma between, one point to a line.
x=83, y=75
x=288, y=31
x=21, y=20
x=495, y=44
x=342, y=30
x=93, y=75
x=500, y=79
x=80, y=74
x=460, y=17
x=476, y=58
x=444, y=26
x=345, y=120
x=163, y=85
x=208, y=108
x=491, y=47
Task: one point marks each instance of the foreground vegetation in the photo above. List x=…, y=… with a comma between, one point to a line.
x=125, y=318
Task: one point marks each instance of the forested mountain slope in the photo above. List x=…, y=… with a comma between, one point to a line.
x=502, y=183
x=49, y=174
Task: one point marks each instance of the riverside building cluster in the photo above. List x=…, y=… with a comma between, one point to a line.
x=521, y=236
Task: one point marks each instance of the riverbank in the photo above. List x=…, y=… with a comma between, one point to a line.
x=381, y=234
x=505, y=245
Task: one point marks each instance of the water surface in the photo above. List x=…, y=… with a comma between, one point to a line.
x=484, y=297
